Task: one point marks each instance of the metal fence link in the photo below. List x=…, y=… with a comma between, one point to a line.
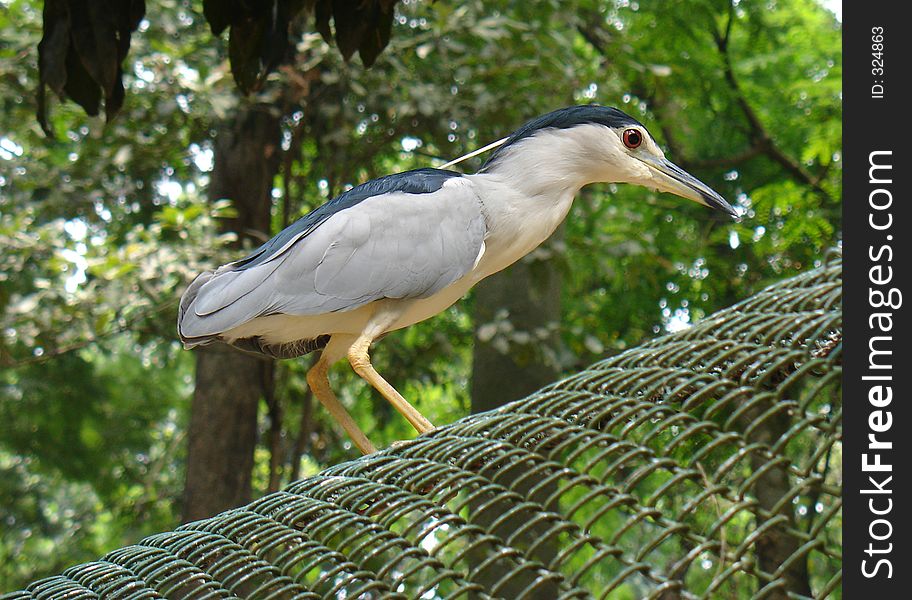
x=702, y=464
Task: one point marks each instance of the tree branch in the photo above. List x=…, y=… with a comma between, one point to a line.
x=274, y=407
x=761, y=142
x=305, y=429
x=8, y=362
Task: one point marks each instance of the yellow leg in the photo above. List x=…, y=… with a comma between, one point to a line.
x=360, y=362
x=319, y=384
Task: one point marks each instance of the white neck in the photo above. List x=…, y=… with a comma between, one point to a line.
x=525, y=196
x=528, y=190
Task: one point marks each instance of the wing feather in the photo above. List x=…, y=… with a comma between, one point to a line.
x=393, y=245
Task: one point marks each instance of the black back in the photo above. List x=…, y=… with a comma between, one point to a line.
x=565, y=118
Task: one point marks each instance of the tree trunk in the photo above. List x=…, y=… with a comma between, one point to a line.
x=229, y=384
x=776, y=546
x=522, y=303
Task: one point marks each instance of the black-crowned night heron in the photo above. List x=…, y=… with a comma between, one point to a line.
x=400, y=249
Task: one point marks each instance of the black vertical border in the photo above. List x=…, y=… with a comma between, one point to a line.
x=876, y=124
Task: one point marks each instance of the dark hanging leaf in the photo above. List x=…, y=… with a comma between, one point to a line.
x=377, y=36
x=362, y=26
x=221, y=14
x=244, y=43
x=129, y=20
x=81, y=53
x=322, y=17
x=218, y=15
x=79, y=84
x=276, y=43
x=52, y=55
x=258, y=35
x=351, y=21
x=52, y=49
x=259, y=31
x=94, y=37
x=114, y=101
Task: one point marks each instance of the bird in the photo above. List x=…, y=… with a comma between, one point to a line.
x=404, y=247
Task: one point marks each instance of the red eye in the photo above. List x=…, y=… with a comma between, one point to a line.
x=632, y=138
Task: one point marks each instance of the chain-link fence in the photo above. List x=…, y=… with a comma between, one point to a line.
x=703, y=464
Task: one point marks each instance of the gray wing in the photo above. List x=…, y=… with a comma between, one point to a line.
x=394, y=245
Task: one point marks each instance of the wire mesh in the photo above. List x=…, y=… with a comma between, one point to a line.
x=703, y=464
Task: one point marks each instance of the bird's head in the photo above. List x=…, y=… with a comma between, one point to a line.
x=592, y=143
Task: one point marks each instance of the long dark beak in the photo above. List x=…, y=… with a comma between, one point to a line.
x=672, y=178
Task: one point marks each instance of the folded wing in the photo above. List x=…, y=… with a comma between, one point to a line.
x=396, y=244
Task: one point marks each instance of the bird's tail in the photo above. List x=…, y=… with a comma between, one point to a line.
x=184, y=314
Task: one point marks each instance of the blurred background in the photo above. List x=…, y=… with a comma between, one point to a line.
x=110, y=431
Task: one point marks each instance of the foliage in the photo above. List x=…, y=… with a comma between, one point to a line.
x=85, y=42
x=102, y=227
x=83, y=49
